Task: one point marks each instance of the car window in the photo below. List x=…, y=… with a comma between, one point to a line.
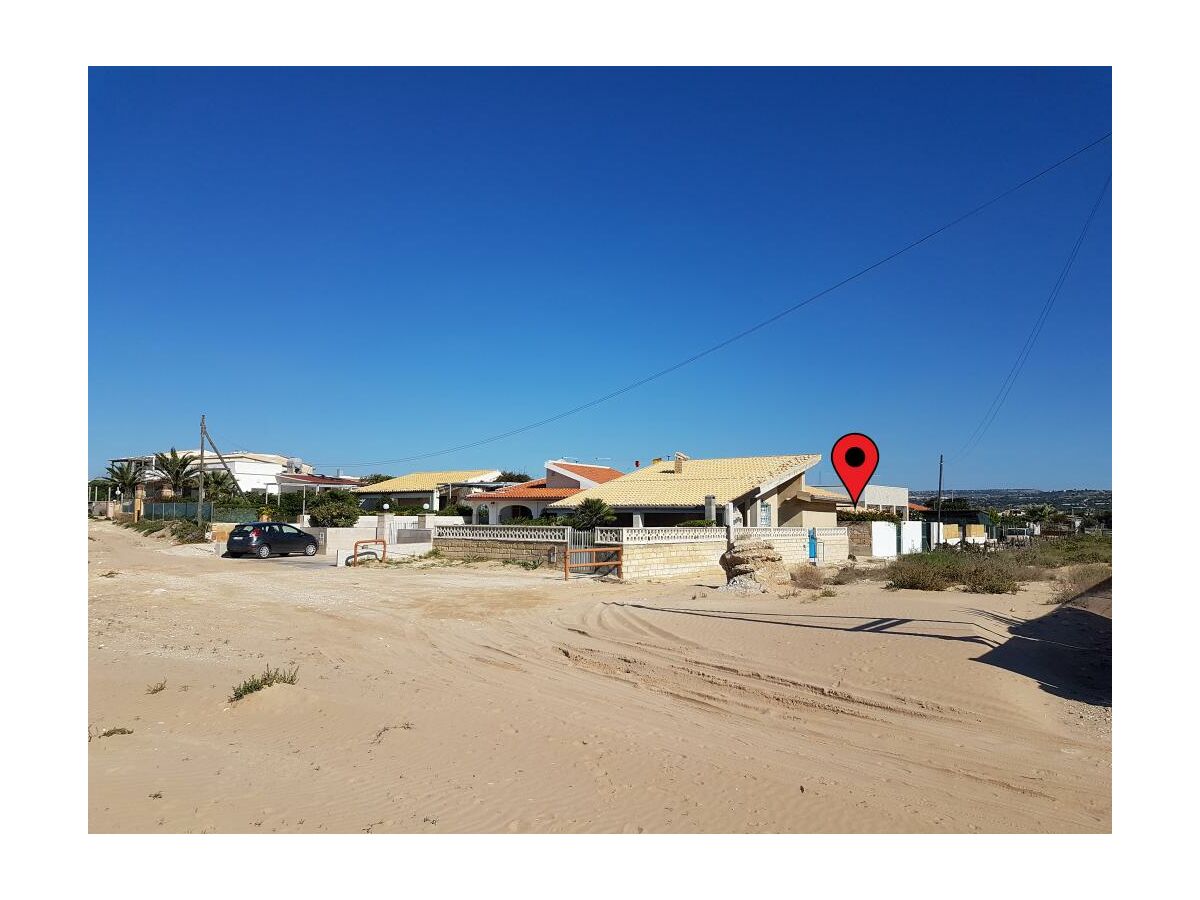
x=288, y=529
x=243, y=529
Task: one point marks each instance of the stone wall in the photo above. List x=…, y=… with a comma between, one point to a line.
x=860, y=537
x=463, y=548
x=792, y=544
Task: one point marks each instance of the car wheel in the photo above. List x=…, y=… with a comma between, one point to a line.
x=264, y=551
x=310, y=550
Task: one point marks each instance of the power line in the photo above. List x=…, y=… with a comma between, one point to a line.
x=736, y=337
x=1014, y=372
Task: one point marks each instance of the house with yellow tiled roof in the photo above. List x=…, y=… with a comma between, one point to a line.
x=757, y=491
x=426, y=490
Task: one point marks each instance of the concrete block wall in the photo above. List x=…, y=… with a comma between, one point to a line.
x=463, y=548
x=672, y=560
x=834, y=551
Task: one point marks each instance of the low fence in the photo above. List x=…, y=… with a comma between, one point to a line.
x=212, y=513
x=558, y=534
x=659, y=535
x=646, y=552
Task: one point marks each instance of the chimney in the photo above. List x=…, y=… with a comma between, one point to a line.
x=339, y=473
x=637, y=463
x=680, y=459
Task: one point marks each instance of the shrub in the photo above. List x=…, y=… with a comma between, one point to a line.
x=185, y=531
x=807, y=576
x=698, y=523
x=849, y=575
x=977, y=572
x=990, y=574
x=334, y=509
x=867, y=515
x=934, y=571
x=1069, y=551
x=266, y=679
x=375, y=478
x=1080, y=579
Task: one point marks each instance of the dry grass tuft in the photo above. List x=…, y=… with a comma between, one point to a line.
x=1076, y=580
x=807, y=577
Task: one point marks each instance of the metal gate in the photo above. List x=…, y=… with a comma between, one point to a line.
x=582, y=553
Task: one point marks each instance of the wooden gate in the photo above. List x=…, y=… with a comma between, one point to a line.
x=582, y=553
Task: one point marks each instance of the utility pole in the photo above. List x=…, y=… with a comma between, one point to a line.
x=200, y=499
x=941, y=460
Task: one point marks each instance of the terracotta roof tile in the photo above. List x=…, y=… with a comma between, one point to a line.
x=598, y=474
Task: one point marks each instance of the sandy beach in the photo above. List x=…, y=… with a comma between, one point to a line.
x=490, y=699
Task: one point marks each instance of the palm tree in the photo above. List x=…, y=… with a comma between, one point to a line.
x=592, y=512
x=219, y=486
x=177, y=470
x=125, y=476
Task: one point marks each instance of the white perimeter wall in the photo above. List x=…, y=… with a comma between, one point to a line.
x=910, y=537
x=883, y=539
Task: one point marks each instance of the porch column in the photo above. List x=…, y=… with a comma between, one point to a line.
x=637, y=520
x=752, y=514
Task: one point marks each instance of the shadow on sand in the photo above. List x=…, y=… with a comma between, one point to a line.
x=1067, y=651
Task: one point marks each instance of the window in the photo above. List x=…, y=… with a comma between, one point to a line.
x=764, y=515
x=288, y=529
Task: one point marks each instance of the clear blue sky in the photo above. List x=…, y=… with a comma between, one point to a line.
x=360, y=265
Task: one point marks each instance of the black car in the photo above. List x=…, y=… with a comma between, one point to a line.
x=266, y=538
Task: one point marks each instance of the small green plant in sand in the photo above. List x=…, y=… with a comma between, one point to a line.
x=112, y=731
x=266, y=679
x=827, y=592
x=156, y=687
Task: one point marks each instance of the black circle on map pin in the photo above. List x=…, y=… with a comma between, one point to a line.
x=855, y=458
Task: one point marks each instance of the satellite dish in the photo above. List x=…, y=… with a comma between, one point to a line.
x=424, y=506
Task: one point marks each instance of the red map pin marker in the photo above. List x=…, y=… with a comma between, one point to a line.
x=855, y=457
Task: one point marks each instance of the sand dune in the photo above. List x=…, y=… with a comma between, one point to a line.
x=462, y=700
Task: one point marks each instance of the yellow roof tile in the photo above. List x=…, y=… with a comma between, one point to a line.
x=727, y=479
x=828, y=495
x=426, y=481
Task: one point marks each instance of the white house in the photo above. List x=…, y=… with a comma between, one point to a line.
x=874, y=498
x=252, y=471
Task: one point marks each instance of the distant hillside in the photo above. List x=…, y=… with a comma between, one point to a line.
x=1083, y=500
